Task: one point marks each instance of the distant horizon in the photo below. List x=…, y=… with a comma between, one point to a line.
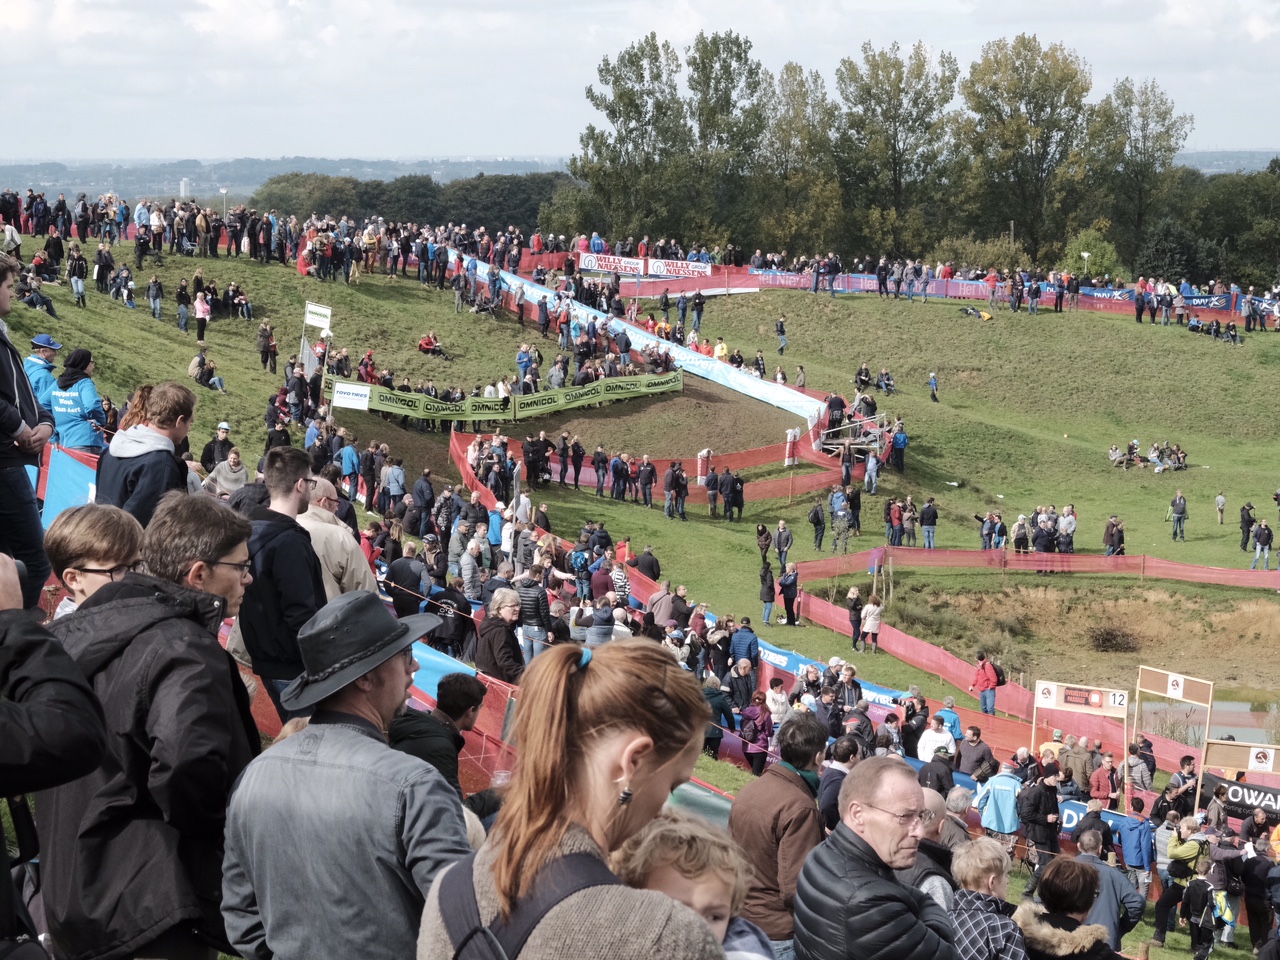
x=428, y=158
x=140, y=160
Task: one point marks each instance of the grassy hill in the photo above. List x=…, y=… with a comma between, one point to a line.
x=1010, y=388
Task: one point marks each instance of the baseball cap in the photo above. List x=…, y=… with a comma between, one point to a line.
x=942, y=751
x=224, y=425
x=672, y=623
x=835, y=662
x=1057, y=734
x=44, y=340
x=431, y=538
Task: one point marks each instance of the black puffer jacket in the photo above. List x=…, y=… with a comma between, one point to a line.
x=51, y=729
x=848, y=903
x=498, y=653
x=1035, y=805
x=135, y=848
x=535, y=611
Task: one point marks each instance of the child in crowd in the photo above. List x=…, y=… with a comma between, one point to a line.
x=689, y=860
x=1198, y=910
x=89, y=547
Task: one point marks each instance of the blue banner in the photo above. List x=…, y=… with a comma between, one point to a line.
x=70, y=484
x=432, y=665
x=794, y=663
x=1102, y=293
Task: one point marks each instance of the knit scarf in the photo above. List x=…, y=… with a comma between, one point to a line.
x=808, y=776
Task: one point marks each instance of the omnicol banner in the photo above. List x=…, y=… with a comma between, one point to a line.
x=367, y=396
x=1243, y=798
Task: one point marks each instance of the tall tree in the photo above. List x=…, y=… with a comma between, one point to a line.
x=795, y=193
x=1142, y=132
x=637, y=166
x=1026, y=115
x=726, y=110
x=895, y=118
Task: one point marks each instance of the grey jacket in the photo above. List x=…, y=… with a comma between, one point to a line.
x=1119, y=905
x=334, y=809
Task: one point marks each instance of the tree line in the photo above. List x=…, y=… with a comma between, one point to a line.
x=910, y=156
x=493, y=201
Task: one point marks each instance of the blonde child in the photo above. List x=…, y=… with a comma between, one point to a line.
x=689, y=860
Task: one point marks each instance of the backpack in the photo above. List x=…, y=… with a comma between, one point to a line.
x=749, y=731
x=1001, y=679
x=578, y=562
x=557, y=881
x=1182, y=869
x=695, y=649
x=526, y=550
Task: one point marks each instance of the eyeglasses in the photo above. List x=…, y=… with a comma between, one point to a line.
x=116, y=573
x=310, y=482
x=244, y=568
x=925, y=817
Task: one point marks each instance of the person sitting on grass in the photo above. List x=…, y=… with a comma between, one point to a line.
x=685, y=857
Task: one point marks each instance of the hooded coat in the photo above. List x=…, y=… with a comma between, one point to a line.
x=138, y=469
x=134, y=849
x=1049, y=936
x=77, y=409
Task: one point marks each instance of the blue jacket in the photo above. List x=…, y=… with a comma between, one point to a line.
x=350, y=460
x=75, y=411
x=597, y=245
x=1118, y=906
x=998, y=803
x=1137, y=841
x=40, y=373
x=395, y=480
x=744, y=644
x=495, y=528
x=900, y=441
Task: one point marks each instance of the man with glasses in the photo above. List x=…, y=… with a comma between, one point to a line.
x=848, y=902
x=288, y=582
x=342, y=563
x=131, y=852
x=89, y=547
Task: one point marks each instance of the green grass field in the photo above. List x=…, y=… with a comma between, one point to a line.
x=1011, y=388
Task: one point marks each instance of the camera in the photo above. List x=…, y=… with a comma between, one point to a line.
x=896, y=701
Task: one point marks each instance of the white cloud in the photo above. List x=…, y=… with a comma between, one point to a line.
x=401, y=66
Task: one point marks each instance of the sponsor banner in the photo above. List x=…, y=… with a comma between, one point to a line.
x=353, y=396
x=1101, y=293
x=604, y=263
x=1064, y=696
x=1221, y=301
x=365, y=396
x=678, y=268
x=793, y=663
x=317, y=315
x=614, y=388
x=1242, y=798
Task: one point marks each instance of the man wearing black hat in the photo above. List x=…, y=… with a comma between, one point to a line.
x=334, y=808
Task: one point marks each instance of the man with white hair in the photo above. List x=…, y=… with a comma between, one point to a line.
x=343, y=567
x=848, y=903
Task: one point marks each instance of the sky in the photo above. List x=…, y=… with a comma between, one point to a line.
x=408, y=79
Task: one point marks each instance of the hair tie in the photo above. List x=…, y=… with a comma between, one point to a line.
x=585, y=658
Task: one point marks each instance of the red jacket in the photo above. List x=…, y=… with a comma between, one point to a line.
x=1100, y=785
x=985, y=678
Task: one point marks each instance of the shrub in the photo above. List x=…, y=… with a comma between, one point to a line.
x=1110, y=638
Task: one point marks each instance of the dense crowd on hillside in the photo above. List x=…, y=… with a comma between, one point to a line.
x=126, y=709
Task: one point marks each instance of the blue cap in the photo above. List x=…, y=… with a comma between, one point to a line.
x=44, y=340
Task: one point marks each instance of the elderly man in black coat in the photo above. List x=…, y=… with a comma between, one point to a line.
x=848, y=900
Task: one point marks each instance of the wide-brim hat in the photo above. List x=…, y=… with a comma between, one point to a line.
x=348, y=637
